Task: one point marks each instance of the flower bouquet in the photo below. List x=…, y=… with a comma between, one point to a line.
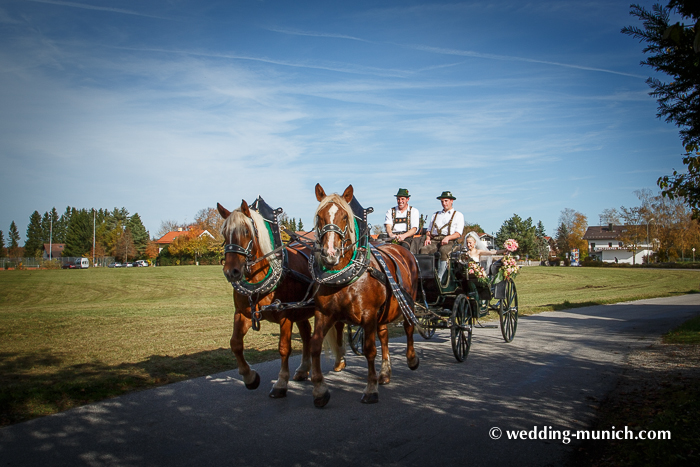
x=509, y=268
x=477, y=272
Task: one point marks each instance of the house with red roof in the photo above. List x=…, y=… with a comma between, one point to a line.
x=169, y=237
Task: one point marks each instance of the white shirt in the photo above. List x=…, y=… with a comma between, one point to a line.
x=415, y=219
x=443, y=218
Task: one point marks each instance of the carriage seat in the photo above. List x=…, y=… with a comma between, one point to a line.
x=426, y=264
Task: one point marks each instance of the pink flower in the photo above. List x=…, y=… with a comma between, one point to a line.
x=510, y=245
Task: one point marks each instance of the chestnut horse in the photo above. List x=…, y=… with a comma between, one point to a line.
x=366, y=299
x=248, y=240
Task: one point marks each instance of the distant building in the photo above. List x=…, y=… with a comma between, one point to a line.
x=605, y=243
x=55, y=250
x=169, y=237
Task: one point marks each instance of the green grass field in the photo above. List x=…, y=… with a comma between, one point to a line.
x=70, y=337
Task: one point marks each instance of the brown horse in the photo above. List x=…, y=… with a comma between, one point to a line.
x=246, y=266
x=365, y=300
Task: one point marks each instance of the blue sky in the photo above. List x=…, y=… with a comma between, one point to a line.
x=168, y=107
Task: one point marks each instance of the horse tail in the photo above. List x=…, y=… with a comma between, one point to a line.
x=334, y=343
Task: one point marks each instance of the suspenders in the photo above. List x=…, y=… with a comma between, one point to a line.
x=403, y=220
x=439, y=229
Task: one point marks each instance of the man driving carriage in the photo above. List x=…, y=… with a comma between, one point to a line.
x=401, y=221
x=444, y=229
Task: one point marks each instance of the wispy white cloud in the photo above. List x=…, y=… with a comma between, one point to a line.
x=86, y=6
x=297, y=32
x=470, y=53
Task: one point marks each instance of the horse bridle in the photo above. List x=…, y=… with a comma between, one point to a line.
x=332, y=228
x=247, y=251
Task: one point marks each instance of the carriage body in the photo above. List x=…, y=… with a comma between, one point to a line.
x=459, y=300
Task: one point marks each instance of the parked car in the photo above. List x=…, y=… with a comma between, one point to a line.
x=114, y=265
x=140, y=263
x=80, y=263
x=127, y=265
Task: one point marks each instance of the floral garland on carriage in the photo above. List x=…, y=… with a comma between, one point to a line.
x=509, y=266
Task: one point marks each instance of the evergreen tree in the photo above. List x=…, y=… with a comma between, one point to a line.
x=60, y=228
x=300, y=226
x=79, y=234
x=675, y=51
x=563, y=239
x=49, y=221
x=139, y=234
x=521, y=231
x=35, y=236
x=14, y=240
x=2, y=244
x=540, y=231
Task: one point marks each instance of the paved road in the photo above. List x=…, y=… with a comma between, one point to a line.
x=559, y=365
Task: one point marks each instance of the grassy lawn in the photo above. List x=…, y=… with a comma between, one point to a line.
x=70, y=337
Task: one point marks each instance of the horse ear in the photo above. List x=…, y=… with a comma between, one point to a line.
x=245, y=209
x=320, y=193
x=348, y=193
x=223, y=211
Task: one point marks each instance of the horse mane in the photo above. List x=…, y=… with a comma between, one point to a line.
x=238, y=223
x=340, y=201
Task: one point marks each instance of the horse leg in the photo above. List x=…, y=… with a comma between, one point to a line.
x=241, y=324
x=339, y=347
x=279, y=389
x=320, y=392
x=385, y=372
x=370, y=394
x=411, y=356
x=302, y=373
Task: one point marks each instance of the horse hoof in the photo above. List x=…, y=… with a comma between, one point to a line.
x=383, y=379
x=278, y=393
x=320, y=402
x=301, y=376
x=414, y=367
x=370, y=398
x=340, y=366
x=254, y=384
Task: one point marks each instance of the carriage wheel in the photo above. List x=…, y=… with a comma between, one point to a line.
x=508, y=311
x=356, y=337
x=428, y=327
x=461, y=328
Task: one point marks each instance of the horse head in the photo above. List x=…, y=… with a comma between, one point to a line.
x=241, y=241
x=335, y=227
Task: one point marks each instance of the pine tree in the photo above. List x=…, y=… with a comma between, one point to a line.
x=49, y=223
x=2, y=244
x=79, y=234
x=300, y=226
x=35, y=234
x=139, y=234
x=14, y=240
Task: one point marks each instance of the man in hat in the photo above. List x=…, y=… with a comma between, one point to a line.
x=444, y=229
x=401, y=221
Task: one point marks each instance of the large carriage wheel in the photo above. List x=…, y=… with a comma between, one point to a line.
x=508, y=311
x=461, y=328
x=356, y=337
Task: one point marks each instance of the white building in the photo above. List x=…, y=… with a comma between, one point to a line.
x=605, y=244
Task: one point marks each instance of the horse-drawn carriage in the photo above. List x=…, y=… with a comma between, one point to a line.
x=460, y=298
x=342, y=278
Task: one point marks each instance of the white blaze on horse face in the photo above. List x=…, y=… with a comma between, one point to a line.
x=329, y=238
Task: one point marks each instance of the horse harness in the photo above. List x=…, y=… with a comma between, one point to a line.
x=359, y=264
x=278, y=267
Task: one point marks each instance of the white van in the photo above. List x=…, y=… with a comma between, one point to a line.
x=82, y=263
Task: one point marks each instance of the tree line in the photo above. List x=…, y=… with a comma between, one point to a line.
x=115, y=233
